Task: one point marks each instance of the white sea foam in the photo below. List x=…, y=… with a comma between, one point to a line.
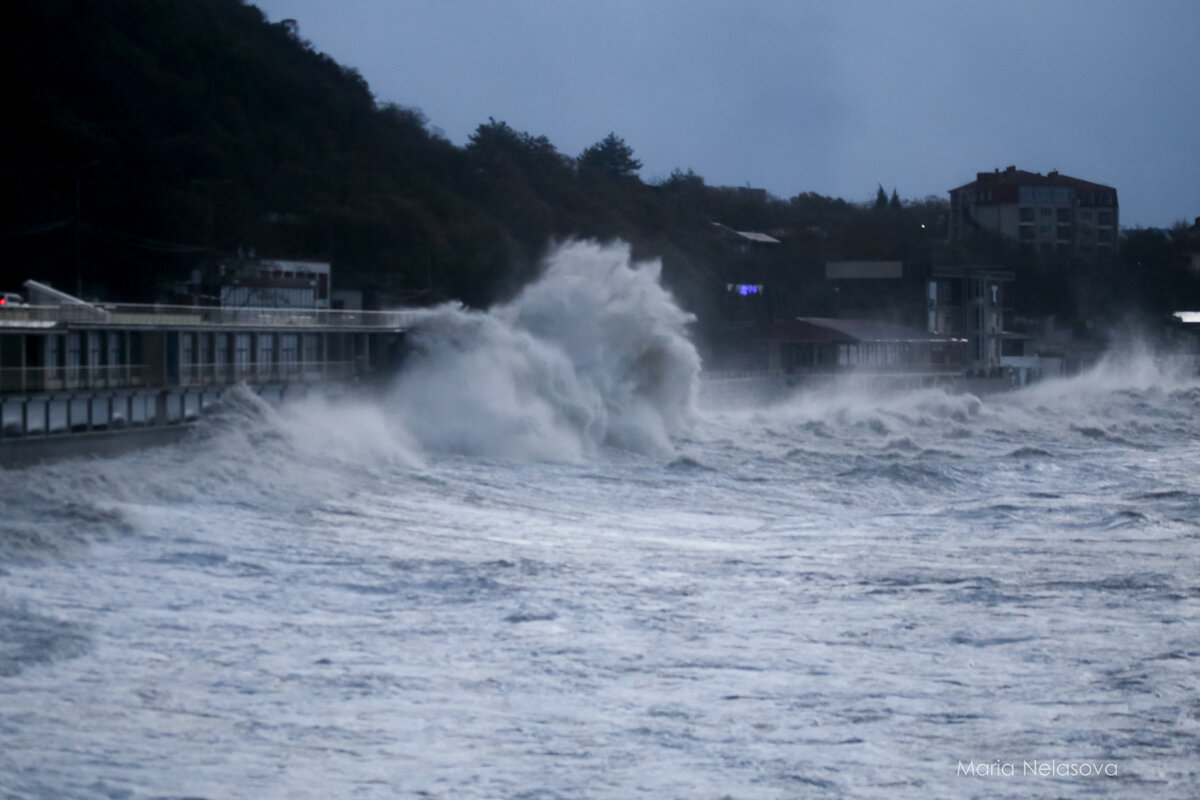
x=846, y=595
x=595, y=352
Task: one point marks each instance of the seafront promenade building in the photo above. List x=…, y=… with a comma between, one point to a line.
x=962, y=301
x=813, y=347
x=70, y=367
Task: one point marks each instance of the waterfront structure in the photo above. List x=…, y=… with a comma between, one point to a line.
x=277, y=284
x=813, y=347
x=68, y=367
x=744, y=240
x=961, y=301
x=969, y=301
x=1193, y=247
x=1051, y=214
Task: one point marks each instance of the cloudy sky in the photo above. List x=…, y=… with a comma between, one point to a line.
x=798, y=95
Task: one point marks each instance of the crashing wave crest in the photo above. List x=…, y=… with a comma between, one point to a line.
x=593, y=353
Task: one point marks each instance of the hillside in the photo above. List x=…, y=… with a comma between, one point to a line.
x=185, y=131
x=151, y=141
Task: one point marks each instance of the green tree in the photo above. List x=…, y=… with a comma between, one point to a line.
x=881, y=198
x=610, y=156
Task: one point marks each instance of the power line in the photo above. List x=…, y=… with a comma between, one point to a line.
x=156, y=245
x=36, y=229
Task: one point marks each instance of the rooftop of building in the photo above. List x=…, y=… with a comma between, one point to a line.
x=1011, y=176
x=757, y=237
x=48, y=308
x=826, y=329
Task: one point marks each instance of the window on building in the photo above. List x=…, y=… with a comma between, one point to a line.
x=137, y=368
x=1105, y=218
x=207, y=352
x=116, y=348
x=289, y=353
x=946, y=293
x=1064, y=215
x=187, y=355
x=266, y=353
x=221, y=356
x=1026, y=231
x=116, y=355
x=95, y=357
x=1025, y=214
x=54, y=355
x=74, y=354
x=242, y=354
x=1045, y=212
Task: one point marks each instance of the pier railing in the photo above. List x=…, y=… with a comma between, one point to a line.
x=133, y=376
x=136, y=315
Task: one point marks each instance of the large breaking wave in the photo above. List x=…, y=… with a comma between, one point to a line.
x=593, y=353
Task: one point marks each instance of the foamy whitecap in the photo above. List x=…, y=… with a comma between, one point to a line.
x=593, y=353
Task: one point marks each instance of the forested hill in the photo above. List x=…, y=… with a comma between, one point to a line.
x=145, y=140
x=193, y=129
x=200, y=124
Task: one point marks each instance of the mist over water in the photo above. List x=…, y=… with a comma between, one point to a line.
x=536, y=568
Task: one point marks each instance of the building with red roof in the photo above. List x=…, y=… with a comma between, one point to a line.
x=1046, y=214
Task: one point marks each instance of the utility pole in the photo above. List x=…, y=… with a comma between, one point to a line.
x=78, y=225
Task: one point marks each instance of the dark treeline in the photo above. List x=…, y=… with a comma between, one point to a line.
x=148, y=140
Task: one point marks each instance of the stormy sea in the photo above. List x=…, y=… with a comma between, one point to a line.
x=541, y=566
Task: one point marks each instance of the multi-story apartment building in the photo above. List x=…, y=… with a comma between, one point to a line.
x=1046, y=214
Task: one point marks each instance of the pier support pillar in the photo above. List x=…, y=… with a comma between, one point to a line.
x=160, y=408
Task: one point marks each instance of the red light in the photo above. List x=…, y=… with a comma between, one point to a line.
x=3, y=301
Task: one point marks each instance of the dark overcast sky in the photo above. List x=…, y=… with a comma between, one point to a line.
x=831, y=97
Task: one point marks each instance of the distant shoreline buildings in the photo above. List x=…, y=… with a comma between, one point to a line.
x=950, y=313
x=1045, y=214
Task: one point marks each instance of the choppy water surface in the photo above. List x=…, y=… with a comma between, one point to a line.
x=844, y=595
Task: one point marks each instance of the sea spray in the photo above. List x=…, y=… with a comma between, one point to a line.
x=623, y=333
x=1127, y=366
x=593, y=353
x=474, y=385
x=243, y=455
x=348, y=430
